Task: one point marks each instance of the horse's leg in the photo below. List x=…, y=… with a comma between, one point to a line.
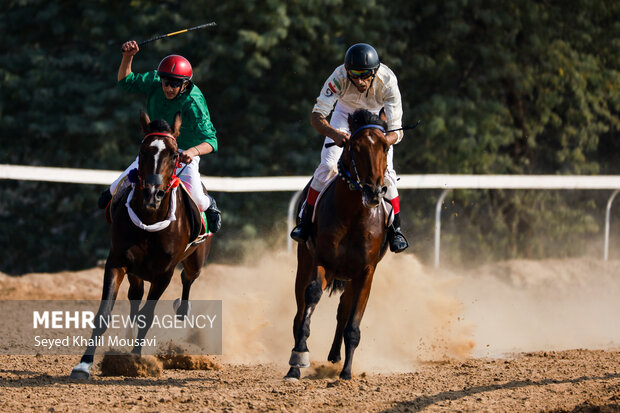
x=302, y=280
x=111, y=282
x=360, y=287
x=344, y=309
x=192, y=266
x=135, y=294
x=148, y=309
x=308, y=295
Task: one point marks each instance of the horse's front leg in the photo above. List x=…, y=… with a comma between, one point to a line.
x=112, y=279
x=344, y=311
x=135, y=294
x=158, y=286
x=360, y=291
x=308, y=296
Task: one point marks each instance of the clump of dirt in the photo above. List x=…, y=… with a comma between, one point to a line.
x=115, y=363
x=324, y=370
x=174, y=356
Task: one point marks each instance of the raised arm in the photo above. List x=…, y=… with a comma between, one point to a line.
x=129, y=49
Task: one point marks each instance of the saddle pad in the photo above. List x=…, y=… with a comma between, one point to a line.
x=197, y=218
x=318, y=198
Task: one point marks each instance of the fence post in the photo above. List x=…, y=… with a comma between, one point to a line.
x=438, y=224
x=607, y=219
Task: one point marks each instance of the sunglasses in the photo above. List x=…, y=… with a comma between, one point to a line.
x=360, y=74
x=173, y=83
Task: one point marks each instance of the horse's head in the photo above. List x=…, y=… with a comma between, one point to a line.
x=365, y=155
x=158, y=159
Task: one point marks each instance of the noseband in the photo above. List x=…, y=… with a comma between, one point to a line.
x=354, y=183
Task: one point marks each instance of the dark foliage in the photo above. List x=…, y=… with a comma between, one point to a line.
x=520, y=86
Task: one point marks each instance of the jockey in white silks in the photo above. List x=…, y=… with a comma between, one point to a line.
x=362, y=82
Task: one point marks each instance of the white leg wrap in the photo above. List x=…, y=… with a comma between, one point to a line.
x=299, y=359
x=81, y=371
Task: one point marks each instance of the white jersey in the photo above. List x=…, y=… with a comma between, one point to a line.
x=383, y=93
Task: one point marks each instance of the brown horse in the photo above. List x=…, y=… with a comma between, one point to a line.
x=347, y=241
x=152, y=251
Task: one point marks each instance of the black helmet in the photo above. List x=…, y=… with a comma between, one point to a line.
x=361, y=56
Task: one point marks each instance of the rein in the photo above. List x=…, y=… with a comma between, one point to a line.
x=354, y=183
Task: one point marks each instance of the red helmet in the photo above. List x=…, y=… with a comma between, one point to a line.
x=175, y=66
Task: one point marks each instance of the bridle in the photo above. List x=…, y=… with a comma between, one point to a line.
x=354, y=182
x=157, y=179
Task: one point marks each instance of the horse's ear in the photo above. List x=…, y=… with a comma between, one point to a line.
x=350, y=121
x=176, y=128
x=382, y=115
x=144, y=121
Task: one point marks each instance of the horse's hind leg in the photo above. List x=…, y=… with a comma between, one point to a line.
x=308, y=295
x=111, y=282
x=192, y=266
x=360, y=291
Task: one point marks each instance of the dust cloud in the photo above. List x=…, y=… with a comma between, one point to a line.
x=412, y=314
x=527, y=305
x=416, y=313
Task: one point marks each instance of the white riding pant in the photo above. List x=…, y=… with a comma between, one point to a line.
x=328, y=168
x=190, y=178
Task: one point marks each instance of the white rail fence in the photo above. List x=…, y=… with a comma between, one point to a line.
x=295, y=183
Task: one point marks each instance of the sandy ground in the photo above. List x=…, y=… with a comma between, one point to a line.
x=512, y=336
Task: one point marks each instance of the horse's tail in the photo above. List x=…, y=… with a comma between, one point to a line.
x=336, y=286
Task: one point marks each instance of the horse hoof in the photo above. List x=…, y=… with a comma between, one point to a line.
x=334, y=356
x=293, y=375
x=177, y=304
x=299, y=359
x=334, y=359
x=81, y=371
x=345, y=375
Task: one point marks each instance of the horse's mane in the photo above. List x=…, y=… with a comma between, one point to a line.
x=363, y=117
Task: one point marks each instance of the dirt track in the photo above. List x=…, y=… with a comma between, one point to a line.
x=515, y=336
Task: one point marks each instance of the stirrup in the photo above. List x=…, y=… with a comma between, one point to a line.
x=398, y=242
x=300, y=233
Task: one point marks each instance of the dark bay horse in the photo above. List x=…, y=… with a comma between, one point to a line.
x=347, y=241
x=152, y=251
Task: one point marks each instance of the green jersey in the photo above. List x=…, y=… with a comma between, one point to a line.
x=196, y=126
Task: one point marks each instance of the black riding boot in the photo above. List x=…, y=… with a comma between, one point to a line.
x=104, y=199
x=302, y=231
x=398, y=242
x=214, y=217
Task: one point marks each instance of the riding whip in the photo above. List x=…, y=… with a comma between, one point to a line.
x=202, y=26
x=407, y=127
